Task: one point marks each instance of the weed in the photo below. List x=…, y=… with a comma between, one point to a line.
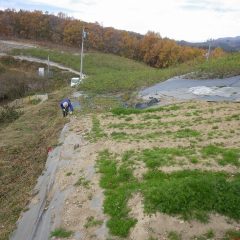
x=119, y=135
x=61, y=232
x=91, y=222
x=152, y=238
x=127, y=155
x=96, y=132
x=210, y=234
x=233, y=117
x=151, y=116
x=232, y=235
x=68, y=174
x=227, y=155
x=128, y=119
x=186, y=133
x=9, y=114
x=163, y=156
x=35, y=101
x=90, y=196
x=82, y=182
x=193, y=159
x=174, y=236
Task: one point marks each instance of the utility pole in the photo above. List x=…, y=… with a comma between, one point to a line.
x=81, y=65
x=48, y=66
x=209, y=50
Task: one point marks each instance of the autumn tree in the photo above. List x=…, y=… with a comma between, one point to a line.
x=152, y=48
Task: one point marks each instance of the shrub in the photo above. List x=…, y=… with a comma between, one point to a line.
x=9, y=114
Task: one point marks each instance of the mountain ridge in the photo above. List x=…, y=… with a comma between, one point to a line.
x=229, y=44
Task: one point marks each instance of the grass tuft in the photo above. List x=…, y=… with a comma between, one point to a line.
x=61, y=232
x=91, y=222
x=96, y=132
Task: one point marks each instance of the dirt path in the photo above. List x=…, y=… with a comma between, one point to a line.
x=53, y=64
x=7, y=46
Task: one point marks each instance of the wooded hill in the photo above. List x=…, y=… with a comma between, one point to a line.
x=151, y=49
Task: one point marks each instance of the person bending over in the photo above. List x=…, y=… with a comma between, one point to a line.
x=66, y=107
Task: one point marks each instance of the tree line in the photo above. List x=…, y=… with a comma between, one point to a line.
x=151, y=48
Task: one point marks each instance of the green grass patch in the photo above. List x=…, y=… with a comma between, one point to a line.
x=174, y=236
x=187, y=133
x=129, y=111
x=158, y=157
x=61, y=232
x=223, y=155
x=119, y=184
x=233, y=117
x=189, y=193
x=226, y=66
x=119, y=136
x=96, y=131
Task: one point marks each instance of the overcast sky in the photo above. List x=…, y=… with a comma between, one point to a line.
x=191, y=20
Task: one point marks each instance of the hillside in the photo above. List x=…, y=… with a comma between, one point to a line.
x=170, y=172
x=228, y=44
x=109, y=73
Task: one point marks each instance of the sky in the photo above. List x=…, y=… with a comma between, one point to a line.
x=190, y=20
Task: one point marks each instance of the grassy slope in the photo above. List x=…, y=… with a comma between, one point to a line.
x=23, y=152
x=222, y=67
x=109, y=73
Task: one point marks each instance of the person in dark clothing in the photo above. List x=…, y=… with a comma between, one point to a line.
x=66, y=106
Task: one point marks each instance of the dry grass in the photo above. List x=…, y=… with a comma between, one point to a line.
x=23, y=152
